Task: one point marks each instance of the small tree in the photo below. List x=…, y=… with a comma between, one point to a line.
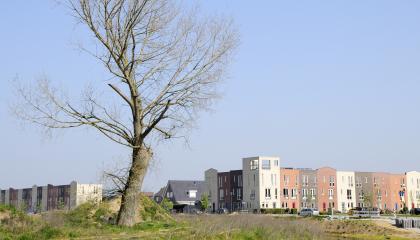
x=167, y=204
x=367, y=200
x=204, y=202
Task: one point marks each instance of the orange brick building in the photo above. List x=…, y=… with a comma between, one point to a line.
x=327, y=188
x=289, y=188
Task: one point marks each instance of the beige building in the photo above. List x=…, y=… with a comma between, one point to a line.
x=261, y=183
x=50, y=197
x=346, y=191
x=413, y=189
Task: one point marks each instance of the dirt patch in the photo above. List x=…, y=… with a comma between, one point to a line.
x=367, y=227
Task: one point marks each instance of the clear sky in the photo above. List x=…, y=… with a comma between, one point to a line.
x=318, y=83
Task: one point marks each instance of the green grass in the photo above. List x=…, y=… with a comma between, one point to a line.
x=97, y=222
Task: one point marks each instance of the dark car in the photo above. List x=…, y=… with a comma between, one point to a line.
x=415, y=211
x=222, y=211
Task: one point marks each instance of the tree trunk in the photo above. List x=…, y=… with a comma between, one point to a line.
x=128, y=214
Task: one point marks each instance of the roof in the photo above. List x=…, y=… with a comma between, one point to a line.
x=180, y=189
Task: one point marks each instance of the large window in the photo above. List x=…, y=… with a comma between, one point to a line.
x=192, y=193
x=332, y=181
x=268, y=193
x=221, y=195
x=294, y=192
x=285, y=192
x=349, y=194
x=254, y=164
x=266, y=164
x=304, y=193
x=330, y=193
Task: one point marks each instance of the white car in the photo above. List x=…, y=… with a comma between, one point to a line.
x=309, y=212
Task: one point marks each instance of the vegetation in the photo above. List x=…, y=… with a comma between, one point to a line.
x=204, y=202
x=163, y=64
x=97, y=221
x=167, y=204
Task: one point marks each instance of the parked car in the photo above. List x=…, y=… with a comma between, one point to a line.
x=415, y=211
x=309, y=212
x=222, y=211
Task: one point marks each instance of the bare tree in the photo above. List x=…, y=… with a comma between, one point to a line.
x=165, y=64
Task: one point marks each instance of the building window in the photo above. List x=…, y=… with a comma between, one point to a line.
x=313, y=193
x=285, y=192
x=304, y=193
x=332, y=181
x=267, y=193
x=252, y=196
x=254, y=164
x=275, y=193
x=221, y=194
x=286, y=180
x=305, y=180
x=349, y=194
x=276, y=163
x=239, y=196
x=192, y=193
x=294, y=193
x=266, y=164
x=330, y=193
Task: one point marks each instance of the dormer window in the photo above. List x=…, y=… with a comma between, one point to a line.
x=192, y=193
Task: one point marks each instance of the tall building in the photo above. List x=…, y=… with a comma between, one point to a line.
x=211, y=182
x=261, y=183
x=327, y=189
x=289, y=188
x=346, y=191
x=413, y=189
x=396, y=199
x=308, y=196
x=230, y=190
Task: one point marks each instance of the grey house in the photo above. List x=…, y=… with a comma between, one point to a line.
x=185, y=195
x=308, y=182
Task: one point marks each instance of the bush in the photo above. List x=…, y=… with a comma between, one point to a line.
x=82, y=215
x=293, y=211
x=273, y=211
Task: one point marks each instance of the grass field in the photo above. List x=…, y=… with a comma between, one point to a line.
x=91, y=221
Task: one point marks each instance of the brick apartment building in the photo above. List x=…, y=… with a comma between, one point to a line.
x=230, y=190
x=327, y=188
x=308, y=193
x=266, y=185
x=289, y=188
x=50, y=197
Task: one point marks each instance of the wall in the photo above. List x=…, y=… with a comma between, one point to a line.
x=346, y=192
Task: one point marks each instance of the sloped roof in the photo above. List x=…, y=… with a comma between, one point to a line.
x=180, y=189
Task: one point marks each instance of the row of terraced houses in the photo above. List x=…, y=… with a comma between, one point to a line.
x=45, y=198
x=263, y=184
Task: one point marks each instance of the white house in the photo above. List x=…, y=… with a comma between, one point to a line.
x=413, y=189
x=261, y=181
x=346, y=191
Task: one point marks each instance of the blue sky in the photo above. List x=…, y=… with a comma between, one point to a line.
x=318, y=83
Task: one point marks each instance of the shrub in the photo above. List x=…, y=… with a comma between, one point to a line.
x=82, y=215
